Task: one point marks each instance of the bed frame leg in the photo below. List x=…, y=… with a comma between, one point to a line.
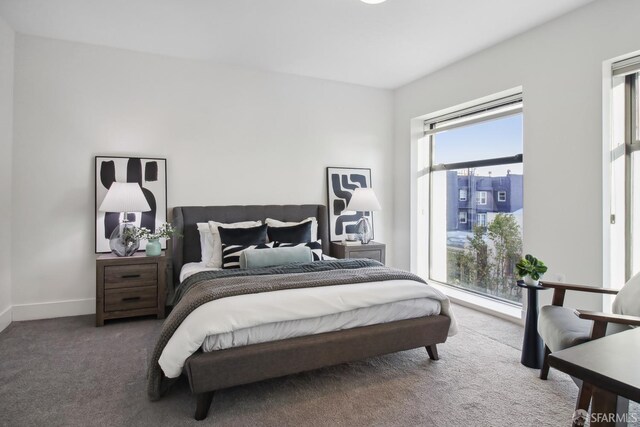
x=203, y=405
x=433, y=352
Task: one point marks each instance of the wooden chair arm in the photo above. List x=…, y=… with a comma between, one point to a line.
x=609, y=318
x=559, y=290
x=580, y=288
x=600, y=321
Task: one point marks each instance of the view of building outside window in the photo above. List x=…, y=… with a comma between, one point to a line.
x=476, y=240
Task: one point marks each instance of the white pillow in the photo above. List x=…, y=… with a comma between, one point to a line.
x=314, y=225
x=215, y=261
x=206, y=241
x=627, y=301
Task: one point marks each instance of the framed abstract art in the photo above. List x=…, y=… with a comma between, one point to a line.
x=341, y=183
x=150, y=174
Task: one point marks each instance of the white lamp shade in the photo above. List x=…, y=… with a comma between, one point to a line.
x=125, y=197
x=364, y=200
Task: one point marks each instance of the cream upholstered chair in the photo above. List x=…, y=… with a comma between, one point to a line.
x=562, y=327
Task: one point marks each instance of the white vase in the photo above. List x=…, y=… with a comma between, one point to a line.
x=529, y=281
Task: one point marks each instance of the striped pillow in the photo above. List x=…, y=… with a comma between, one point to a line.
x=231, y=253
x=316, y=247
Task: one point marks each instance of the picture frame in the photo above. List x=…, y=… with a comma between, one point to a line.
x=341, y=183
x=151, y=174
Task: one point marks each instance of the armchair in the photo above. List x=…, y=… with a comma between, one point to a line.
x=562, y=327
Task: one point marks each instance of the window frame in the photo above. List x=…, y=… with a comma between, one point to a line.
x=463, y=214
x=466, y=194
x=482, y=223
x=504, y=198
x=482, y=197
x=514, y=106
x=631, y=145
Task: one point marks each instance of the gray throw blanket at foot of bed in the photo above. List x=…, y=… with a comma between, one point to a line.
x=207, y=286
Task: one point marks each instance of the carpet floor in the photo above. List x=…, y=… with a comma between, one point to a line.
x=66, y=372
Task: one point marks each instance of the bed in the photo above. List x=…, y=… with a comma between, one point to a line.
x=255, y=352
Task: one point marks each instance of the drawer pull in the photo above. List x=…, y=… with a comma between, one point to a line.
x=130, y=276
x=131, y=299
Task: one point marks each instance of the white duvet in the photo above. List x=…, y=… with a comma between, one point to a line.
x=254, y=318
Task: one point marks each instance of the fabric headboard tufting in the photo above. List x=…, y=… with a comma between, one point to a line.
x=187, y=248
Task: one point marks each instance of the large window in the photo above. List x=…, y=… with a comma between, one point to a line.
x=633, y=189
x=473, y=243
x=625, y=170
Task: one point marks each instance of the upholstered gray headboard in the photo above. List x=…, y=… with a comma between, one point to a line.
x=187, y=248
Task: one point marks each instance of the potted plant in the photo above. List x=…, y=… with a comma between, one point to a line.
x=530, y=269
x=153, y=248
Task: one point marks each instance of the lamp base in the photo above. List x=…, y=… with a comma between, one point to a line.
x=363, y=228
x=123, y=241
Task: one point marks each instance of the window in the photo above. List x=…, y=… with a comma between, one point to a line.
x=481, y=220
x=632, y=145
x=474, y=245
x=502, y=196
x=625, y=170
x=481, y=197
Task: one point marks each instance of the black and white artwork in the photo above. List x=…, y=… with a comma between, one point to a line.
x=151, y=174
x=341, y=183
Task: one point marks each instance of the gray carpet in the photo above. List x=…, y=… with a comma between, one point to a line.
x=66, y=372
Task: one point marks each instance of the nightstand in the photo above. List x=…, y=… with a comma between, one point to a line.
x=130, y=286
x=372, y=250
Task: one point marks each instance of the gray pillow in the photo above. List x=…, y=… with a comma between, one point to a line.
x=277, y=256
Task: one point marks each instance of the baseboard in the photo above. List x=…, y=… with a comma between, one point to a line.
x=5, y=318
x=48, y=310
x=495, y=313
x=486, y=305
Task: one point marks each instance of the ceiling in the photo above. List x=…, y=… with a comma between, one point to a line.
x=384, y=45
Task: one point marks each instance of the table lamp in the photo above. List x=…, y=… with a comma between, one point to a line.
x=124, y=197
x=364, y=200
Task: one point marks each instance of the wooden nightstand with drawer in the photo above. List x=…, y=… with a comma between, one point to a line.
x=130, y=286
x=372, y=250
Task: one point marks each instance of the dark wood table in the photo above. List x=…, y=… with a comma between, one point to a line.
x=611, y=365
x=532, y=346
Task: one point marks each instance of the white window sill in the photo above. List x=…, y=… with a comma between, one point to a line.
x=477, y=302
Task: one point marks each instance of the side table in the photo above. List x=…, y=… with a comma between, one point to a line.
x=532, y=346
x=130, y=286
x=372, y=250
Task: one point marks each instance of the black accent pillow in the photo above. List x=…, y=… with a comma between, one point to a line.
x=300, y=233
x=316, y=248
x=231, y=253
x=243, y=236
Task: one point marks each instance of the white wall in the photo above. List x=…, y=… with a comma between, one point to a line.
x=231, y=136
x=6, y=141
x=559, y=66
